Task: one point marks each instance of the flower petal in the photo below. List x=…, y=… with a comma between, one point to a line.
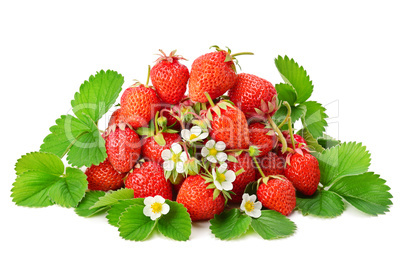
x=185, y=133
x=230, y=176
x=165, y=209
x=203, y=135
x=166, y=154
x=168, y=165
x=159, y=199
x=180, y=167
x=255, y=213
x=176, y=148
x=147, y=211
x=218, y=185
x=149, y=200
x=210, y=144
x=227, y=185
x=245, y=197
x=222, y=168
x=183, y=157
x=154, y=216
x=243, y=204
x=222, y=157
x=213, y=174
x=196, y=130
x=252, y=198
x=257, y=205
x=220, y=146
x=211, y=159
x=204, y=151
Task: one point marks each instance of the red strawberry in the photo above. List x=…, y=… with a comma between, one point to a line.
x=139, y=104
x=198, y=200
x=249, y=92
x=270, y=164
x=169, y=77
x=123, y=147
x=304, y=172
x=300, y=146
x=152, y=151
x=149, y=180
x=104, y=177
x=263, y=137
x=214, y=73
x=277, y=194
x=245, y=162
x=116, y=118
x=230, y=126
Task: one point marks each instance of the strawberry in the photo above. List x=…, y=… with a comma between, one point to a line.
x=300, y=146
x=229, y=125
x=149, y=180
x=169, y=77
x=270, y=164
x=214, y=73
x=104, y=177
x=263, y=137
x=245, y=162
x=252, y=92
x=123, y=147
x=152, y=151
x=198, y=200
x=139, y=103
x=277, y=193
x=304, y=172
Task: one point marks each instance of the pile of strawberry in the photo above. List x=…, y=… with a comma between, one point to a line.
x=203, y=149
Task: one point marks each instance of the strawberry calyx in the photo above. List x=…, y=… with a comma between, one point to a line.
x=157, y=126
x=266, y=108
x=112, y=128
x=231, y=57
x=223, y=104
x=267, y=178
x=172, y=56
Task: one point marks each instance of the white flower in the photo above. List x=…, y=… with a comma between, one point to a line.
x=155, y=207
x=252, y=208
x=213, y=151
x=223, y=178
x=174, y=158
x=194, y=134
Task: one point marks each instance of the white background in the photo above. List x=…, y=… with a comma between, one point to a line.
x=351, y=50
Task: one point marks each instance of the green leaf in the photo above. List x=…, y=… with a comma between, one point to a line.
x=230, y=224
x=343, y=160
x=315, y=118
x=90, y=198
x=296, y=113
x=327, y=141
x=176, y=224
x=367, y=192
x=115, y=211
x=80, y=139
x=63, y=135
x=89, y=149
x=295, y=76
x=41, y=182
x=286, y=93
x=31, y=189
x=312, y=143
x=113, y=197
x=36, y=161
x=97, y=95
x=251, y=188
x=325, y=204
x=273, y=225
x=231, y=158
x=134, y=225
x=69, y=189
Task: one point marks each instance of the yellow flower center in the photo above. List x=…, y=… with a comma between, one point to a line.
x=220, y=177
x=249, y=206
x=176, y=158
x=193, y=136
x=213, y=152
x=156, y=207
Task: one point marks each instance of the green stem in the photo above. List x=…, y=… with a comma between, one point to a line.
x=280, y=135
x=288, y=115
x=290, y=124
x=258, y=167
x=209, y=99
x=156, y=123
x=149, y=72
x=241, y=53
